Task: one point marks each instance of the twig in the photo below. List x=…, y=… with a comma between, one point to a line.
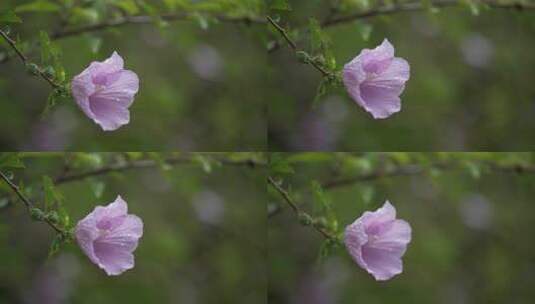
x=296, y=209
x=29, y=205
x=418, y=6
x=144, y=19
x=293, y=45
x=149, y=163
x=25, y=60
x=140, y=19
x=413, y=169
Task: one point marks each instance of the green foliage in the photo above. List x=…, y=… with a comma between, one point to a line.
x=129, y=6
x=53, y=199
x=279, y=165
x=9, y=17
x=10, y=160
x=38, y=6
x=320, y=45
x=324, y=207
x=281, y=5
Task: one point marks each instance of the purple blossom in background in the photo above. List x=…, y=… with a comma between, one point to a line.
x=375, y=79
x=105, y=91
x=109, y=236
x=377, y=241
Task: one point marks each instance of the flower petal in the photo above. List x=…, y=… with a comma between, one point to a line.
x=378, y=59
x=382, y=264
x=126, y=235
x=121, y=90
x=82, y=87
x=113, y=259
x=379, y=102
x=86, y=233
x=354, y=238
x=99, y=70
x=109, y=115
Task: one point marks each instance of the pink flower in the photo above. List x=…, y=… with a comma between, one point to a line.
x=377, y=241
x=105, y=91
x=375, y=79
x=109, y=236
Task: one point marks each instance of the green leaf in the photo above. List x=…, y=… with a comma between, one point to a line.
x=473, y=169
x=46, y=52
x=473, y=6
x=205, y=163
x=279, y=165
x=129, y=6
x=324, y=206
x=95, y=43
x=38, y=6
x=10, y=160
x=56, y=244
x=9, y=17
x=98, y=188
x=365, y=30
x=281, y=5
x=57, y=95
x=52, y=196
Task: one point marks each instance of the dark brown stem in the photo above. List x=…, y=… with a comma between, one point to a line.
x=143, y=19
x=413, y=169
x=149, y=163
x=418, y=6
x=293, y=45
x=287, y=198
x=25, y=60
x=29, y=205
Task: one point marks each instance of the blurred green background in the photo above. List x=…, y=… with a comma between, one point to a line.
x=203, y=242
x=201, y=81
x=472, y=217
x=470, y=87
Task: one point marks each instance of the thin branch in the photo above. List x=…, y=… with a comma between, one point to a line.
x=389, y=9
x=293, y=45
x=283, y=33
x=418, y=6
x=149, y=163
x=287, y=198
x=413, y=169
x=29, y=205
x=25, y=60
x=139, y=19
x=144, y=19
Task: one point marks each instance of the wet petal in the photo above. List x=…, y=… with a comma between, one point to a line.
x=109, y=115
x=381, y=263
x=113, y=259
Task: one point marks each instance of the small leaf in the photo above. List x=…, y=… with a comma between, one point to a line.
x=473, y=169
x=46, y=53
x=10, y=160
x=98, y=188
x=9, y=17
x=205, y=163
x=52, y=196
x=279, y=165
x=365, y=30
x=95, y=43
x=129, y=6
x=281, y=5
x=202, y=21
x=57, y=242
x=473, y=6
